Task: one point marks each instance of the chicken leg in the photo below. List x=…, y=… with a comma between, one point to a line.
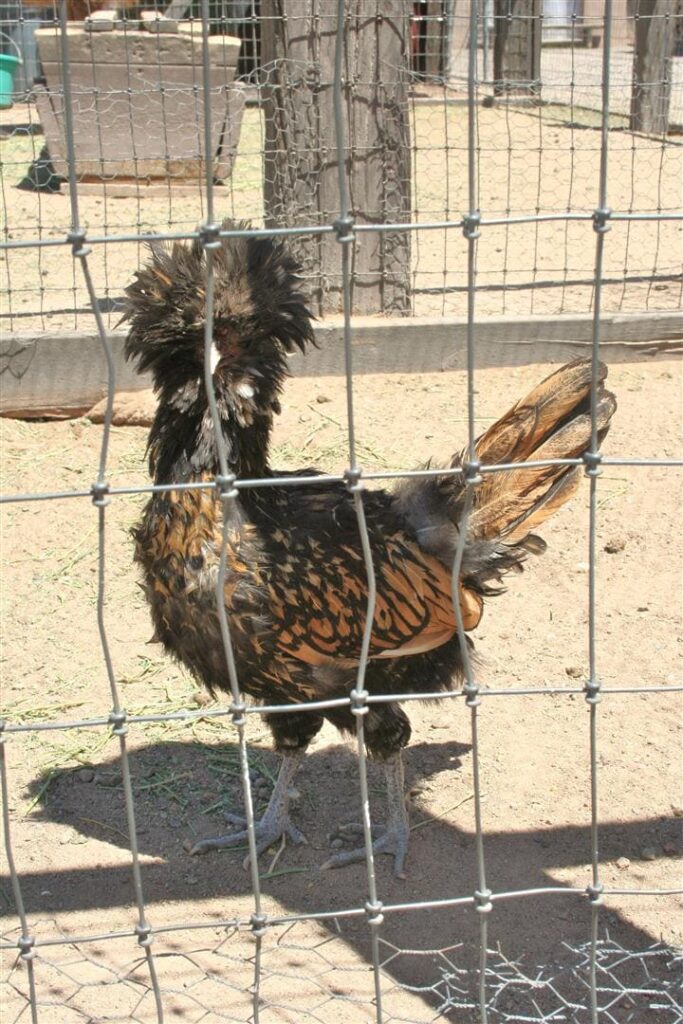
x=275, y=822
x=392, y=838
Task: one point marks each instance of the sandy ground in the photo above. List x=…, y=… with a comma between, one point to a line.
x=69, y=829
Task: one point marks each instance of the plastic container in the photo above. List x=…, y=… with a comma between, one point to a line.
x=8, y=69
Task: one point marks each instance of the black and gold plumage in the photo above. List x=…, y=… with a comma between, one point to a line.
x=295, y=586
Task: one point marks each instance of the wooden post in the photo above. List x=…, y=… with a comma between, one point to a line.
x=517, y=47
x=300, y=159
x=657, y=25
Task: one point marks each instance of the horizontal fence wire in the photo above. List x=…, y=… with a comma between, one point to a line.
x=344, y=230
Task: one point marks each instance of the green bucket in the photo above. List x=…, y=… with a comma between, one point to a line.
x=8, y=69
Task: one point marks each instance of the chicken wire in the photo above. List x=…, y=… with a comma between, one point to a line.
x=614, y=984
x=537, y=168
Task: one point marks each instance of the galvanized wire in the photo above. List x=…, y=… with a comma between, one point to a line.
x=228, y=490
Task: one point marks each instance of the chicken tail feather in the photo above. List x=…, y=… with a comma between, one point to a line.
x=553, y=422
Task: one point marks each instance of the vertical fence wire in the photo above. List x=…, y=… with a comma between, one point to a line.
x=592, y=460
x=209, y=235
x=359, y=707
x=118, y=717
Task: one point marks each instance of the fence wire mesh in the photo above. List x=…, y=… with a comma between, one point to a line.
x=313, y=964
x=140, y=151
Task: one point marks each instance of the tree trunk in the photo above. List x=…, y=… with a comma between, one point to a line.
x=300, y=160
x=657, y=26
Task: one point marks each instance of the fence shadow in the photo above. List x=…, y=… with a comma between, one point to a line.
x=178, y=785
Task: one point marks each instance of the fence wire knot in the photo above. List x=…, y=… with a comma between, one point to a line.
x=76, y=238
x=209, y=236
x=352, y=479
x=472, y=695
x=482, y=901
x=238, y=710
x=600, y=218
x=592, y=691
x=470, y=224
x=25, y=944
x=343, y=229
x=593, y=462
x=472, y=472
x=595, y=893
x=359, y=702
x=225, y=487
x=118, y=721
x=259, y=924
x=144, y=934
x=373, y=910
x=100, y=493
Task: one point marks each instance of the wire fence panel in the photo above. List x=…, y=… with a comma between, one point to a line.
x=458, y=207
x=138, y=110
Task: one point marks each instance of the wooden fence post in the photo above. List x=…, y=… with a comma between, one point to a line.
x=517, y=47
x=657, y=28
x=300, y=159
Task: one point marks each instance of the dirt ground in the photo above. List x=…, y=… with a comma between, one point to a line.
x=69, y=831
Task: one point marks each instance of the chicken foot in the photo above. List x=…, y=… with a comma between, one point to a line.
x=275, y=822
x=392, y=837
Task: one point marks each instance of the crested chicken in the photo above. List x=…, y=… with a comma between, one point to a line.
x=295, y=590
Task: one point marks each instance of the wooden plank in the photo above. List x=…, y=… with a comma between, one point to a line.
x=657, y=24
x=67, y=374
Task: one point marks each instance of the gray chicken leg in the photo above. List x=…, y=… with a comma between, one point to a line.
x=392, y=838
x=275, y=822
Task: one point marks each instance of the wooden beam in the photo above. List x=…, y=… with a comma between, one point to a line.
x=65, y=375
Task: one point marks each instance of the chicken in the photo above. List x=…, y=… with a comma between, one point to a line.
x=295, y=585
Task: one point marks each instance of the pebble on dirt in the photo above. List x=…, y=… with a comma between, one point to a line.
x=615, y=544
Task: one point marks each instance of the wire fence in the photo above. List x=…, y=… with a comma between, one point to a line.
x=139, y=161
x=618, y=985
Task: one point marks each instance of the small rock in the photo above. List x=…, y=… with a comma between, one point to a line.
x=575, y=671
x=623, y=862
x=643, y=608
x=670, y=848
x=582, y=566
x=187, y=845
x=108, y=779
x=336, y=844
x=85, y=775
x=322, y=399
x=201, y=698
x=615, y=544
x=677, y=810
x=648, y=853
